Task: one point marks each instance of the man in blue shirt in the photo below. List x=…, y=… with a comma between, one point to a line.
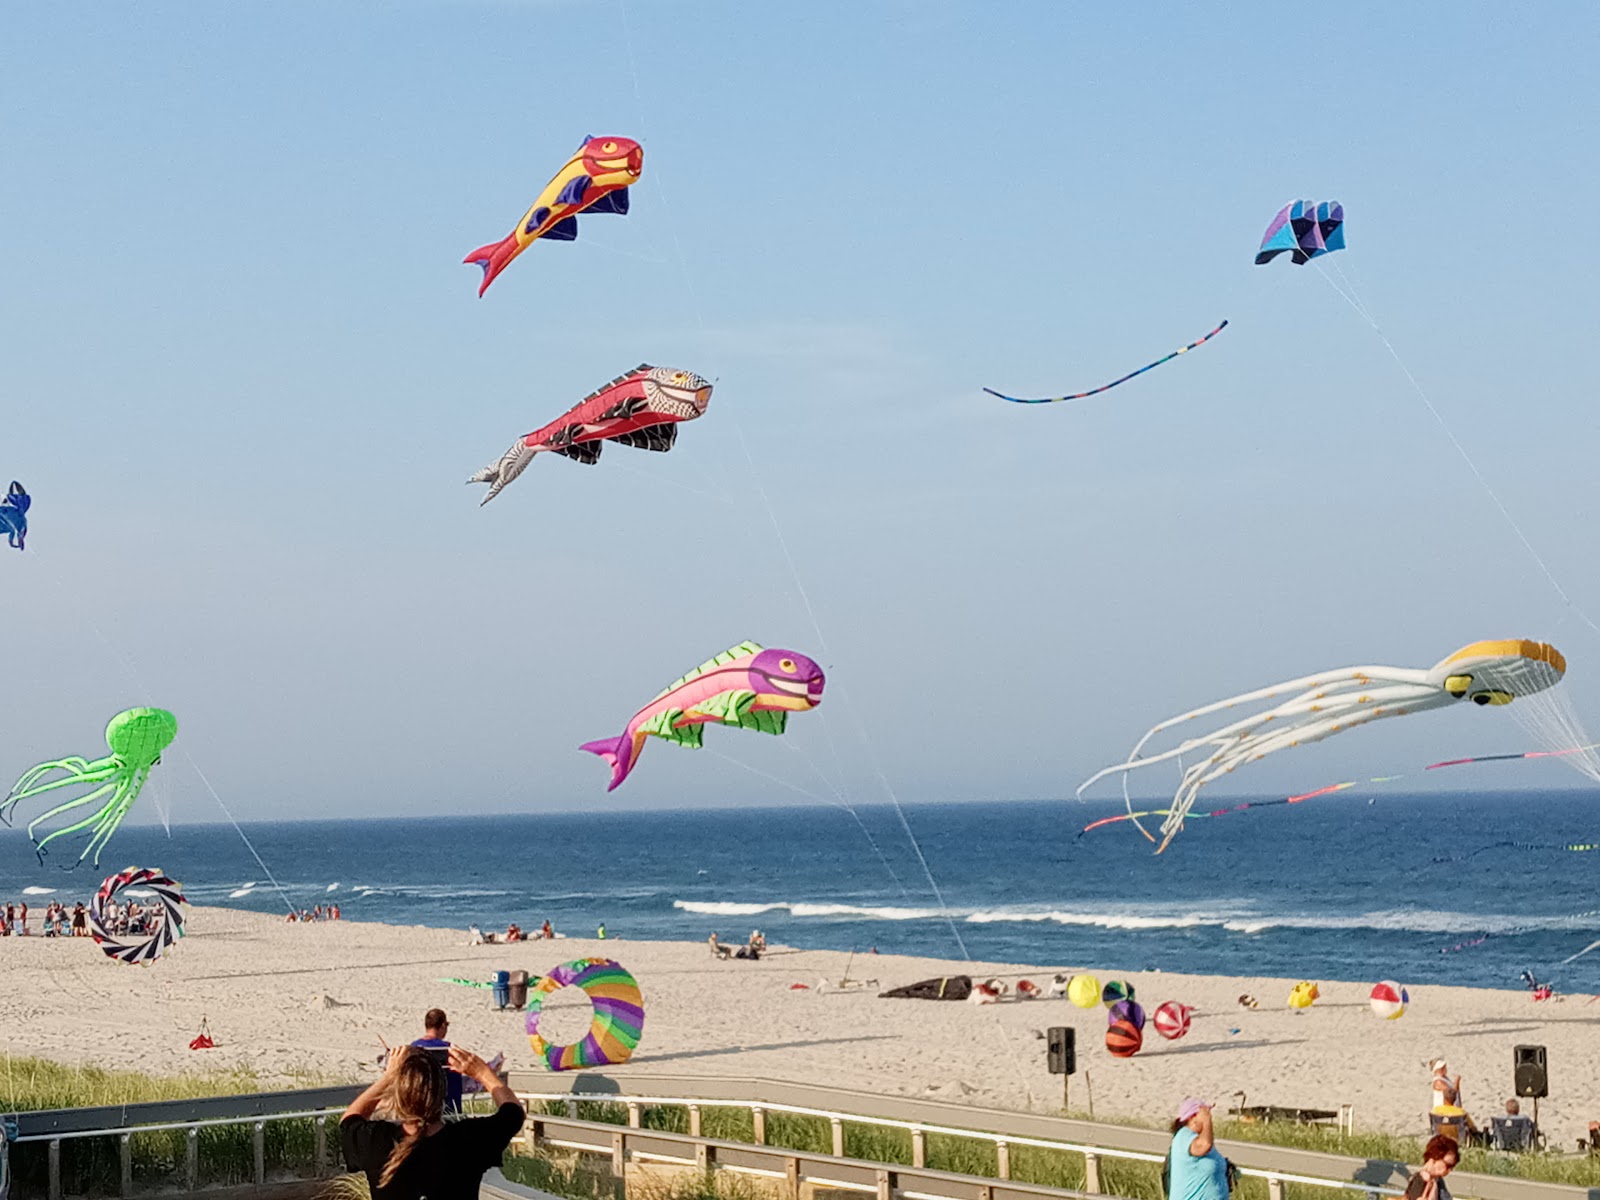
x=434, y=1026
x=1197, y=1169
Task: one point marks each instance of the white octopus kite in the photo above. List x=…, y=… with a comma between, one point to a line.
x=1333, y=701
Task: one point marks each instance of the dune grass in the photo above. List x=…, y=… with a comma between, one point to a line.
x=1065, y=1169
x=226, y=1153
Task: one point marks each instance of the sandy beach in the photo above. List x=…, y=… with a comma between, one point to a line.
x=287, y=999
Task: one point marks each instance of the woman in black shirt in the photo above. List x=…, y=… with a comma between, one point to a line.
x=417, y=1154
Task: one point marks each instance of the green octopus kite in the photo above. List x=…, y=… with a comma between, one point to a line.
x=136, y=739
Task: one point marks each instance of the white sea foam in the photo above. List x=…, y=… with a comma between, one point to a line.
x=728, y=908
x=333, y=887
x=244, y=891
x=38, y=891
x=1231, y=919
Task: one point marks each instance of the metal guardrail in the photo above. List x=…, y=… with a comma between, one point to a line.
x=791, y=1169
x=1095, y=1141
x=1277, y=1165
x=54, y=1126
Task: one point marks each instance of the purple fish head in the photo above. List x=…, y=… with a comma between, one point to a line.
x=788, y=676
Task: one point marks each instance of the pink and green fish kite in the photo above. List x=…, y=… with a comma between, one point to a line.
x=746, y=686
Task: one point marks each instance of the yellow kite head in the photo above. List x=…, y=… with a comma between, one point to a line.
x=1499, y=672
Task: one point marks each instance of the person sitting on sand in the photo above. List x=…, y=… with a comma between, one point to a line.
x=718, y=950
x=547, y=931
x=474, y=935
x=758, y=941
x=1439, y=1158
x=1196, y=1169
x=419, y=1155
x=513, y=932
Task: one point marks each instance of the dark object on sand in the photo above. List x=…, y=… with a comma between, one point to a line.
x=950, y=987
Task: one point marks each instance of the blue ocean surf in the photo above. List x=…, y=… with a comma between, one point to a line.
x=1350, y=887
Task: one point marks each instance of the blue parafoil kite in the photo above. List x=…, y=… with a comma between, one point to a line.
x=14, y=514
x=1305, y=230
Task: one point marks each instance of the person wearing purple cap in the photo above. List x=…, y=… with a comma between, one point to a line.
x=1196, y=1169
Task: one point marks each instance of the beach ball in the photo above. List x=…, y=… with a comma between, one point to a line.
x=1123, y=1039
x=1303, y=994
x=1117, y=989
x=1130, y=1011
x=1389, y=1000
x=1084, y=991
x=1172, y=1020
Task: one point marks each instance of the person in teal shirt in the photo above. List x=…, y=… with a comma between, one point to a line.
x=1197, y=1170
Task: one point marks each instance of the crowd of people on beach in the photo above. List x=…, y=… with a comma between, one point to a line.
x=319, y=913
x=55, y=921
x=513, y=933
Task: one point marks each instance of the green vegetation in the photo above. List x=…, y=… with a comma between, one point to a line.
x=1052, y=1168
x=227, y=1153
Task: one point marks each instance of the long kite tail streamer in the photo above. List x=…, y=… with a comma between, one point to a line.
x=1108, y=386
x=1332, y=788
x=166, y=921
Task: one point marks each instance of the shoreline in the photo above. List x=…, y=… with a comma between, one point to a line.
x=289, y=1000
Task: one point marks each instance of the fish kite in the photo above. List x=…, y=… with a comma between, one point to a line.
x=1304, y=230
x=14, y=514
x=1106, y=387
x=595, y=180
x=640, y=409
x=1319, y=706
x=746, y=686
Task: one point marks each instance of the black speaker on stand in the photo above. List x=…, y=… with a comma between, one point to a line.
x=1530, y=1075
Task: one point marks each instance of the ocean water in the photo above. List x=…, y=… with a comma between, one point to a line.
x=1349, y=887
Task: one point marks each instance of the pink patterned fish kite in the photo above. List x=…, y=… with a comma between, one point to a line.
x=746, y=686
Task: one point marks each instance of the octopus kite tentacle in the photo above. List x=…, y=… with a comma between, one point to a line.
x=1490, y=673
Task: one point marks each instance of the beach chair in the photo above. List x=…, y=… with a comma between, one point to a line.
x=1446, y=1125
x=1514, y=1134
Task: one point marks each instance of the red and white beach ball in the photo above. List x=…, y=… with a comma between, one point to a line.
x=1172, y=1020
x=1389, y=1000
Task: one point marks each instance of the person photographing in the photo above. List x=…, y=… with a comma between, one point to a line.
x=416, y=1154
x=1196, y=1168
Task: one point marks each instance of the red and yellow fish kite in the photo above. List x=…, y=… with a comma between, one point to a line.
x=596, y=179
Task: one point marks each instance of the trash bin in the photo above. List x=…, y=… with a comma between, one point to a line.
x=502, y=988
x=519, y=989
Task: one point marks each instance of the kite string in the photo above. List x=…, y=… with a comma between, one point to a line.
x=283, y=894
x=1461, y=450
x=694, y=295
x=795, y=787
x=138, y=681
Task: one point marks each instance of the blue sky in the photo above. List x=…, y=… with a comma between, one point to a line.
x=246, y=374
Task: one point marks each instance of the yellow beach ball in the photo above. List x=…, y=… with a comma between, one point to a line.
x=1084, y=991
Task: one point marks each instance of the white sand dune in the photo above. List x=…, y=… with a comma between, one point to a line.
x=318, y=998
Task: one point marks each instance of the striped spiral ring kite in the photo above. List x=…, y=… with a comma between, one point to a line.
x=169, y=926
x=618, y=1014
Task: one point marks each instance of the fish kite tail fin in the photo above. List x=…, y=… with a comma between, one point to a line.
x=615, y=752
x=504, y=469
x=493, y=259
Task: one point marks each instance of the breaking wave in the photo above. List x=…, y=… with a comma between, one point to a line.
x=1226, y=920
